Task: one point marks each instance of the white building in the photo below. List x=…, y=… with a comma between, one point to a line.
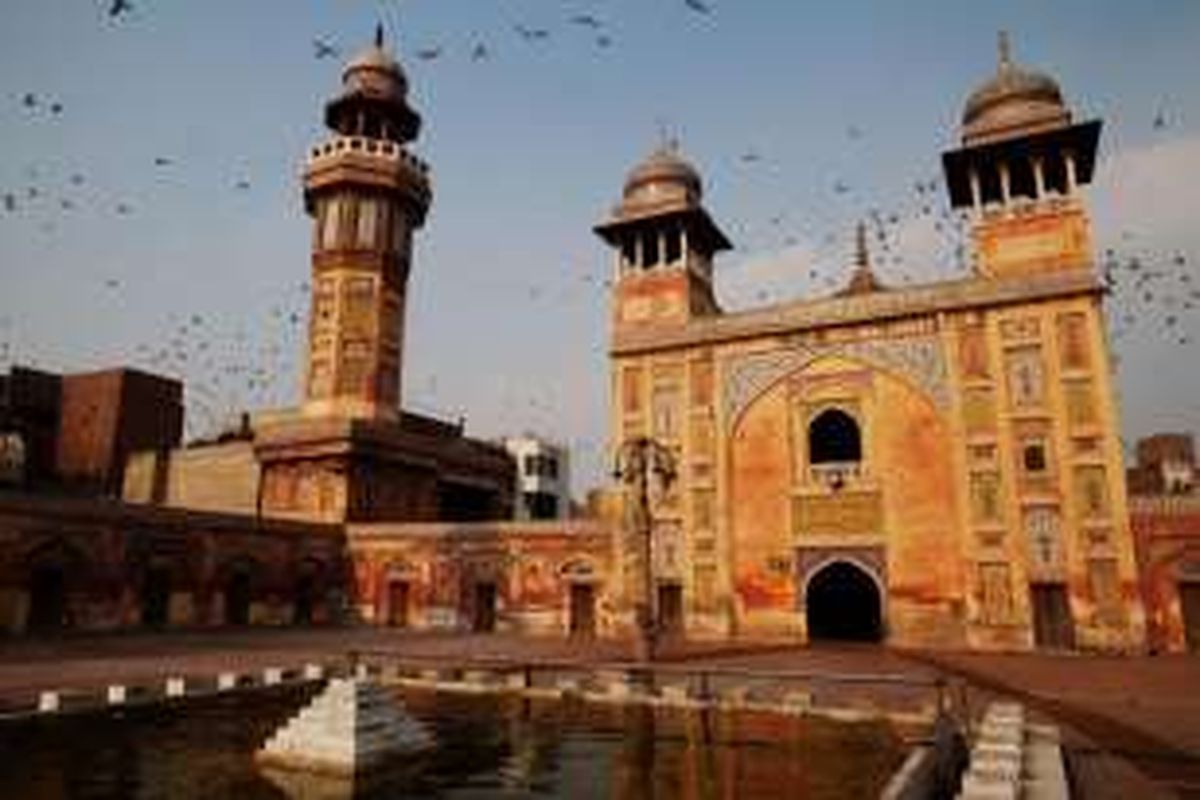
x=543, y=479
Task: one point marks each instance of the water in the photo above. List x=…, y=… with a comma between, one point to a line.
x=488, y=747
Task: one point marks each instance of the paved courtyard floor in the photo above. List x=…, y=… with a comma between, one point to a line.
x=1143, y=709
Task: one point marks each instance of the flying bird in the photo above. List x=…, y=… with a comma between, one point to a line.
x=56, y=108
x=429, y=54
x=76, y=179
x=603, y=41
x=751, y=157
x=322, y=49
x=242, y=184
x=531, y=34
x=479, y=52
x=10, y=201
x=586, y=20
x=162, y=161
x=123, y=208
x=29, y=100
x=119, y=7
x=699, y=6
x=1160, y=121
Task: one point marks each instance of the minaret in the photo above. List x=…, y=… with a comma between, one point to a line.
x=366, y=194
x=1018, y=174
x=664, y=244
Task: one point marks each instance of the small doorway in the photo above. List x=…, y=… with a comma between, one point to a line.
x=237, y=599
x=156, y=597
x=1189, y=606
x=670, y=609
x=583, y=610
x=397, y=604
x=485, y=608
x=842, y=603
x=302, y=609
x=47, y=599
x=1052, y=626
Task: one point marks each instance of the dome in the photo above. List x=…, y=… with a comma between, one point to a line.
x=663, y=173
x=374, y=72
x=1014, y=101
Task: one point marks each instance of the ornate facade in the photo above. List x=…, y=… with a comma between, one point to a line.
x=935, y=465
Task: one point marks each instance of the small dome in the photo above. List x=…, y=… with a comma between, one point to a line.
x=663, y=173
x=374, y=72
x=1014, y=101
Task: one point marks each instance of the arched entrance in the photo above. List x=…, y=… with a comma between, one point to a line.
x=156, y=597
x=237, y=598
x=842, y=602
x=47, y=598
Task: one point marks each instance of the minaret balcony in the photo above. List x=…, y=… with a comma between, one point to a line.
x=369, y=161
x=364, y=145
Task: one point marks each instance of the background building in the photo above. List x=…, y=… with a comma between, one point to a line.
x=1164, y=508
x=78, y=431
x=1166, y=464
x=543, y=489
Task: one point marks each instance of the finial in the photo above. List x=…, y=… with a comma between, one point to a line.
x=379, y=35
x=1005, y=49
x=862, y=258
x=666, y=142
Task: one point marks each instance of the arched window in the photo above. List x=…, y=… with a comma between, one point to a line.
x=833, y=437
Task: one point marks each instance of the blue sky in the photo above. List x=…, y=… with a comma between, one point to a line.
x=507, y=313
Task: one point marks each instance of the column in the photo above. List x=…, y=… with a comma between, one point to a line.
x=661, y=243
x=685, y=254
x=1039, y=178
x=639, y=249
x=976, y=191
x=1005, y=184
x=1072, y=178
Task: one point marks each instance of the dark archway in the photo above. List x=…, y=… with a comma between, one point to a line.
x=305, y=600
x=842, y=603
x=47, y=598
x=833, y=437
x=237, y=598
x=156, y=597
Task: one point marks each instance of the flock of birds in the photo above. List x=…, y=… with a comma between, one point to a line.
x=256, y=363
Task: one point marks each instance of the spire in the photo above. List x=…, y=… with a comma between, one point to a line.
x=863, y=279
x=379, y=35
x=1005, y=49
x=862, y=258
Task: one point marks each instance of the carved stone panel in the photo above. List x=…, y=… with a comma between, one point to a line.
x=920, y=359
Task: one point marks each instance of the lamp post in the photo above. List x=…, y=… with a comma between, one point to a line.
x=638, y=460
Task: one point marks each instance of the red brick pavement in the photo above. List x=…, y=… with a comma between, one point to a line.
x=1142, y=709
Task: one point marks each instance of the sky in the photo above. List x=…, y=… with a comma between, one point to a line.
x=155, y=217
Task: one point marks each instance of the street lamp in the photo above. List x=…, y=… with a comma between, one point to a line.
x=639, y=460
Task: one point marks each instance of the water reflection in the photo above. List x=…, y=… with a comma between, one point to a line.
x=486, y=747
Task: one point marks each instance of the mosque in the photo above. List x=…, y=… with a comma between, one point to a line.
x=926, y=466
x=933, y=465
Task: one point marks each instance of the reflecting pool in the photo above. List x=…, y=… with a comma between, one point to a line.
x=488, y=746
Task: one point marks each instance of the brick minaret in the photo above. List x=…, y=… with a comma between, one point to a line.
x=366, y=194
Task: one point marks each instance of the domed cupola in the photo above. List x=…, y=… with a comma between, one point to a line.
x=664, y=242
x=374, y=98
x=1018, y=173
